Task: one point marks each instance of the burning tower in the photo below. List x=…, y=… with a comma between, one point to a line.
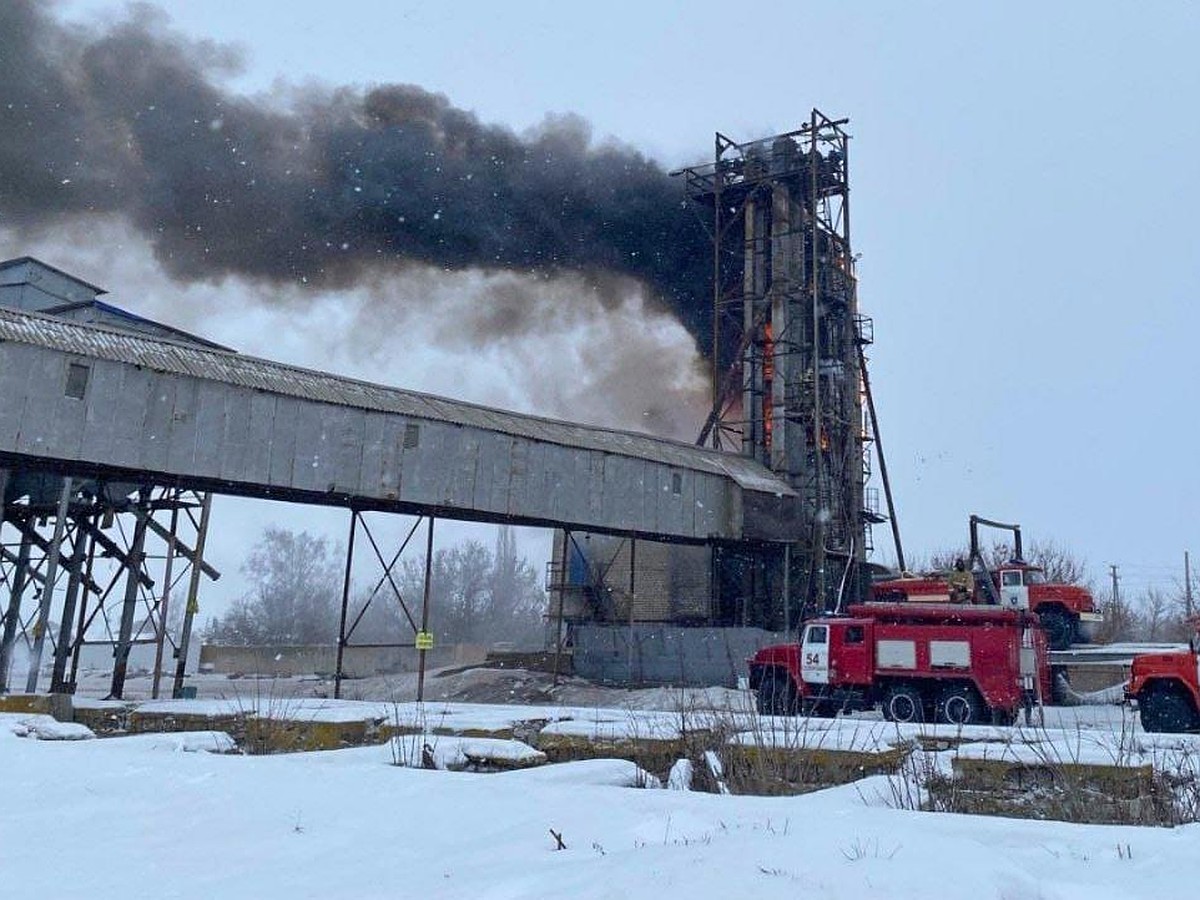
x=788, y=342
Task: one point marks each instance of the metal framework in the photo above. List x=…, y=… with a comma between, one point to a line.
x=90, y=564
x=788, y=338
x=351, y=618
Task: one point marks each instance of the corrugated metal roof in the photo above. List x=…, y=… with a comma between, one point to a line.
x=178, y=358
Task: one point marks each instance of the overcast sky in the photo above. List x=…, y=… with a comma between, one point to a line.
x=1024, y=190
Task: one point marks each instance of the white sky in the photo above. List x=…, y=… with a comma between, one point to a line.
x=1024, y=191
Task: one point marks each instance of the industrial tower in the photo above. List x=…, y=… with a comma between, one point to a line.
x=788, y=342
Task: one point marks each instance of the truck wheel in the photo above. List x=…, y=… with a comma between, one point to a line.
x=1059, y=626
x=960, y=704
x=903, y=703
x=1166, y=709
x=776, y=696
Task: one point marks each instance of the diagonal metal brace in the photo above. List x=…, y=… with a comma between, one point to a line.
x=180, y=547
x=113, y=549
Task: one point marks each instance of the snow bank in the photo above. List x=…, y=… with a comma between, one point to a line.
x=349, y=824
x=44, y=728
x=455, y=753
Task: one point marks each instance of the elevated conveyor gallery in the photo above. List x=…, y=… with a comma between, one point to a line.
x=87, y=400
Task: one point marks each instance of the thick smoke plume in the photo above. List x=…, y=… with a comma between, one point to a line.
x=323, y=186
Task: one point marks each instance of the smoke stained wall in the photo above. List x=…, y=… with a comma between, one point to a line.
x=322, y=188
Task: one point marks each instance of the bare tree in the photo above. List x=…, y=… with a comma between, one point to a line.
x=1121, y=621
x=1062, y=566
x=295, y=585
x=518, y=600
x=477, y=596
x=1163, y=616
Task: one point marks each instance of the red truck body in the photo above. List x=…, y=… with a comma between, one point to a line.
x=1166, y=687
x=961, y=664
x=1067, y=612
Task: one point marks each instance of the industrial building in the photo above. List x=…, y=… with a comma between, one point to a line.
x=790, y=391
x=672, y=561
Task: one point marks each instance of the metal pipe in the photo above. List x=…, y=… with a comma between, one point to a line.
x=819, y=513
x=716, y=307
x=632, y=590
x=787, y=588
x=883, y=472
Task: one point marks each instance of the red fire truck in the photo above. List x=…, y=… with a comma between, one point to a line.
x=1166, y=687
x=959, y=664
x=1067, y=612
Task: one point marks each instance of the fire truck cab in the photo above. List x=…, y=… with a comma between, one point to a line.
x=1067, y=612
x=1166, y=688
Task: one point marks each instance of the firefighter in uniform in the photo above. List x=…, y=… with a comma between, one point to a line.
x=960, y=582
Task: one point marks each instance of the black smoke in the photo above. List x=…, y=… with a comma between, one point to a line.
x=317, y=186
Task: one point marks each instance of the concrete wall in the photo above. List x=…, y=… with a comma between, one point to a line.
x=665, y=654
x=359, y=662
x=98, y=658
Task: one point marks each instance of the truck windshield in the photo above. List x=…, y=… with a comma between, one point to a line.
x=1035, y=576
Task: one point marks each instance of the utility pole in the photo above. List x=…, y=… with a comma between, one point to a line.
x=1116, y=588
x=1187, y=584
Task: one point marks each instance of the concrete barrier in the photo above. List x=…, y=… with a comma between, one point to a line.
x=1083, y=792
x=666, y=654
x=358, y=662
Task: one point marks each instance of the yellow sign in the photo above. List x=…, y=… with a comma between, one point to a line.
x=424, y=640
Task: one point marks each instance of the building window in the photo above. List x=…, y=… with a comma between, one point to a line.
x=676, y=483
x=77, y=379
x=412, y=436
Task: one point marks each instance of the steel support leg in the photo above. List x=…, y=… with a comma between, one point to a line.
x=193, y=598
x=164, y=603
x=129, y=608
x=425, y=611
x=82, y=621
x=341, y=645
x=13, y=616
x=62, y=649
x=42, y=624
x=562, y=590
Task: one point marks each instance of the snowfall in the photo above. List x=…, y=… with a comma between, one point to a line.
x=178, y=816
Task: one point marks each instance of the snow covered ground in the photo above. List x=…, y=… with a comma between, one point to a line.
x=138, y=817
